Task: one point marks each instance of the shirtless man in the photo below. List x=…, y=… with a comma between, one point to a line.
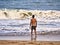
x=33, y=24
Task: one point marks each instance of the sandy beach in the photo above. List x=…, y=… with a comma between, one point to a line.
x=17, y=42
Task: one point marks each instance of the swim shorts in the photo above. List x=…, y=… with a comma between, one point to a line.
x=33, y=27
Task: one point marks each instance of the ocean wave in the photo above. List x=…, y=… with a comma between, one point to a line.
x=23, y=14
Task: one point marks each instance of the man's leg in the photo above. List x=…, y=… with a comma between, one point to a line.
x=35, y=32
x=31, y=35
x=35, y=35
x=31, y=32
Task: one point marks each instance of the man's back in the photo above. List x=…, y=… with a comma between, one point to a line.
x=33, y=22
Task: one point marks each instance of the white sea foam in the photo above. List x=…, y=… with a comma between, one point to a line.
x=48, y=20
x=22, y=14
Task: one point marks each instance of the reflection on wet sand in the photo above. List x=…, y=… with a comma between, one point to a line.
x=33, y=37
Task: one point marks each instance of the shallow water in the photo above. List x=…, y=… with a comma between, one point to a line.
x=29, y=38
x=48, y=26
x=20, y=30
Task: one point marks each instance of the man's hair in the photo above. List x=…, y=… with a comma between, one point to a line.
x=33, y=16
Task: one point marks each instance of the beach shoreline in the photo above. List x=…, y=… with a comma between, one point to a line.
x=18, y=42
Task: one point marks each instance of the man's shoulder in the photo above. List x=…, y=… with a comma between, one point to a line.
x=33, y=19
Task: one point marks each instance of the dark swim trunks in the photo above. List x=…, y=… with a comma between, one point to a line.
x=33, y=27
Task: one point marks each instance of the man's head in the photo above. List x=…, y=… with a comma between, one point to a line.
x=33, y=16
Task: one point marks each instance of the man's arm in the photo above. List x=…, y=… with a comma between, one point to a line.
x=36, y=23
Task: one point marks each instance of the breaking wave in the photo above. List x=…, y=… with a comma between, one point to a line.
x=23, y=14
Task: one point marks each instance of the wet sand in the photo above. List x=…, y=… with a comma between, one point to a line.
x=17, y=42
x=33, y=41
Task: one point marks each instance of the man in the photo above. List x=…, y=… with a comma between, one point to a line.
x=33, y=24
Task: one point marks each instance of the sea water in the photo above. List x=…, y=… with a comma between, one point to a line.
x=15, y=18
x=31, y=4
